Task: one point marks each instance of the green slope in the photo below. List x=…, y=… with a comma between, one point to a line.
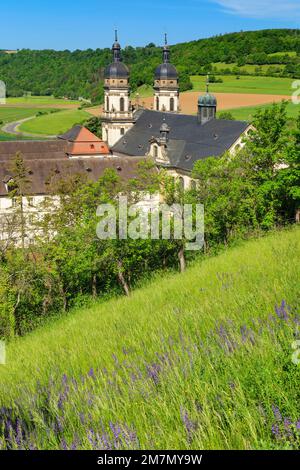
x=12, y=114
x=246, y=84
x=56, y=123
x=78, y=73
x=247, y=113
x=199, y=360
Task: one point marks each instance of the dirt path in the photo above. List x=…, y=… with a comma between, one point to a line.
x=13, y=128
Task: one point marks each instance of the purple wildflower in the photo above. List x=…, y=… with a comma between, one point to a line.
x=275, y=431
x=153, y=371
x=282, y=310
x=82, y=418
x=276, y=413
x=64, y=445
x=190, y=426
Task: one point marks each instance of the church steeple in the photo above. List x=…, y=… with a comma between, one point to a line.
x=166, y=90
x=117, y=117
x=166, y=51
x=116, y=48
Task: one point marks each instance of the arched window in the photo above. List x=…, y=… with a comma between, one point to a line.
x=107, y=104
x=181, y=182
x=204, y=112
x=171, y=104
x=122, y=104
x=155, y=149
x=193, y=185
x=157, y=104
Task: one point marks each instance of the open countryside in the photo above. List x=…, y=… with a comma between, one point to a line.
x=149, y=236
x=246, y=93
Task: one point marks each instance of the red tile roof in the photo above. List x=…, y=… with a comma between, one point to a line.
x=84, y=142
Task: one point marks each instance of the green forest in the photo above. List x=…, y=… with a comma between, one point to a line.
x=78, y=73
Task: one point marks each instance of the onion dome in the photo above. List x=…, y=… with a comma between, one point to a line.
x=208, y=99
x=166, y=70
x=117, y=69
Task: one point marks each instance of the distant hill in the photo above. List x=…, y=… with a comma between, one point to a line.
x=80, y=73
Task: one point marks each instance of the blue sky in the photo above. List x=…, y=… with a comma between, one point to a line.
x=65, y=24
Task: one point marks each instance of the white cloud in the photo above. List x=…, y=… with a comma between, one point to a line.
x=281, y=9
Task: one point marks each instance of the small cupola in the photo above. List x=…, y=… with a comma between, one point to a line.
x=207, y=106
x=164, y=132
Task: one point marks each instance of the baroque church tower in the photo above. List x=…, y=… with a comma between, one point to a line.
x=166, y=89
x=117, y=118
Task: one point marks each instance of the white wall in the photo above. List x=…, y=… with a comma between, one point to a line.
x=164, y=97
x=116, y=121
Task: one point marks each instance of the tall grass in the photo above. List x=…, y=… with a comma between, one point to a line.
x=198, y=360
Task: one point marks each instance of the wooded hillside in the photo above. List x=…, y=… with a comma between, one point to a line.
x=80, y=73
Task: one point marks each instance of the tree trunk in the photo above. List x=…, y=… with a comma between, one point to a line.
x=94, y=286
x=181, y=258
x=297, y=217
x=122, y=279
x=64, y=297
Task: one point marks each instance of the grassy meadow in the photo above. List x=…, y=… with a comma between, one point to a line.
x=40, y=101
x=56, y=123
x=248, y=68
x=195, y=360
x=11, y=114
x=246, y=84
x=246, y=113
x=4, y=137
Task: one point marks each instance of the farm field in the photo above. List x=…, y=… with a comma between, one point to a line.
x=42, y=101
x=56, y=123
x=248, y=68
x=246, y=84
x=208, y=364
x=247, y=113
x=188, y=101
